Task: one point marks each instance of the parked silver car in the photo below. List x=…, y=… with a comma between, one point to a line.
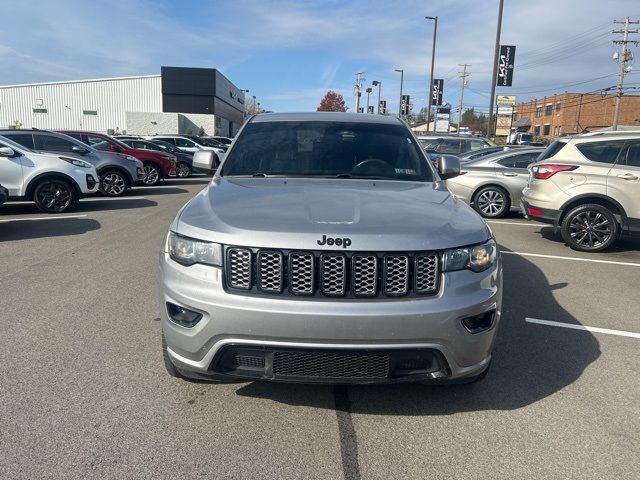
x=117, y=172
x=493, y=184
x=327, y=249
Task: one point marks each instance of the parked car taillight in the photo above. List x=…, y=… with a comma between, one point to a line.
x=548, y=170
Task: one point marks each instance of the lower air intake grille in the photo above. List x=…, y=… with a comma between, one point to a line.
x=330, y=364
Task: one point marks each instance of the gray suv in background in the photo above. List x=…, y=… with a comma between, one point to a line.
x=117, y=172
x=328, y=249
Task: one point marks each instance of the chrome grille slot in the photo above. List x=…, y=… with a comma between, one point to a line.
x=396, y=275
x=333, y=274
x=239, y=268
x=365, y=275
x=301, y=273
x=426, y=274
x=270, y=271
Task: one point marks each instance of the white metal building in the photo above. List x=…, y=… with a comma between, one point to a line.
x=96, y=105
x=179, y=100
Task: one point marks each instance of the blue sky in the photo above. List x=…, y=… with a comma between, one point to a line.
x=289, y=53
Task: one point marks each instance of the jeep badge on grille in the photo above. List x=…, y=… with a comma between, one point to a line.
x=339, y=242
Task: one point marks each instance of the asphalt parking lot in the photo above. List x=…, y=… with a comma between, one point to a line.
x=84, y=393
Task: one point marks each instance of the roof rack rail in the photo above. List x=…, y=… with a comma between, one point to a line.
x=608, y=132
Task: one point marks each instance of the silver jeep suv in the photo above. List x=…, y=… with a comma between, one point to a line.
x=588, y=187
x=328, y=249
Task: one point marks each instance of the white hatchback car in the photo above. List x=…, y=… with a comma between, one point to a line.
x=53, y=182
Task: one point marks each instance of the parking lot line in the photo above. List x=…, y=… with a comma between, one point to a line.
x=40, y=218
x=608, y=331
x=557, y=257
x=531, y=224
x=100, y=199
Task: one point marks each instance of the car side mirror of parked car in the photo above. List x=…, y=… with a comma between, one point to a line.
x=79, y=150
x=7, y=152
x=205, y=160
x=115, y=148
x=448, y=166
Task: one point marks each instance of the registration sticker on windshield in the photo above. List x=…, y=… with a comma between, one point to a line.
x=405, y=171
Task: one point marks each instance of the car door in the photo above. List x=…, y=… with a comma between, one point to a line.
x=623, y=182
x=514, y=173
x=11, y=176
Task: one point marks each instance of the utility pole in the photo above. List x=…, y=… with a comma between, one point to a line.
x=357, y=89
x=496, y=55
x=624, y=58
x=378, y=83
x=401, y=71
x=463, y=76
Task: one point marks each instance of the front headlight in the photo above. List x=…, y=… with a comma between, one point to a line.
x=476, y=258
x=188, y=251
x=77, y=162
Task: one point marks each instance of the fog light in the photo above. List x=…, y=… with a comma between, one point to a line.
x=479, y=323
x=183, y=316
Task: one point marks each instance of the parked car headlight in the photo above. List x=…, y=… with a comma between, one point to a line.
x=476, y=258
x=188, y=251
x=77, y=162
x=131, y=159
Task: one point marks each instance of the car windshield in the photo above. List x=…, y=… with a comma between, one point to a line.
x=208, y=142
x=327, y=149
x=551, y=150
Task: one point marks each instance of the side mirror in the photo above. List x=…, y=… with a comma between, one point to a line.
x=449, y=167
x=7, y=152
x=204, y=160
x=115, y=148
x=79, y=150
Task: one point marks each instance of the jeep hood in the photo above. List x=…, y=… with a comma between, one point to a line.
x=290, y=213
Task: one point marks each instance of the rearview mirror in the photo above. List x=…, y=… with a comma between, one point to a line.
x=79, y=150
x=7, y=152
x=205, y=160
x=448, y=166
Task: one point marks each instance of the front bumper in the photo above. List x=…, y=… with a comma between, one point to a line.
x=428, y=328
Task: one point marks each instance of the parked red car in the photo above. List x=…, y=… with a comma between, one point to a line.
x=157, y=165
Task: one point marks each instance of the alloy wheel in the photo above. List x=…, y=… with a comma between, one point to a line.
x=113, y=184
x=590, y=229
x=151, y=175
x=491, y=202
x=54, y=196
x=182, y=170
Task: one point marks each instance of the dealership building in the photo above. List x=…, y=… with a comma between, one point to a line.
x=179, y=100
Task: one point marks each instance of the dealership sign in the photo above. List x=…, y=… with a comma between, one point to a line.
x=505, y=65
x=436, y=91
x=506, y=100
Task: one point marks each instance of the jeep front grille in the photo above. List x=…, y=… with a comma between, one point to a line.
x=332, y=274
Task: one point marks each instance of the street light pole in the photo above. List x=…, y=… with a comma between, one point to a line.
x=401, y=81
x=433, y=57
x=496, y=55
x=377, y=83
x=368, y=90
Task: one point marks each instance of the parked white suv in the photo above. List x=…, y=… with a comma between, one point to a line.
x=53, y=182
x=587, y=186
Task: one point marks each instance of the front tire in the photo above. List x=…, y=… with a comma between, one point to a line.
x=590, y=228
x=151, y=175
x=54, y=196
x=492, y=202
x=183, y=170
x=113, y=183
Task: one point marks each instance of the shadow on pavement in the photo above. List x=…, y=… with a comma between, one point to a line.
x=530, y=361
x=188, y=181
x=56, y=227
x=83, y=206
